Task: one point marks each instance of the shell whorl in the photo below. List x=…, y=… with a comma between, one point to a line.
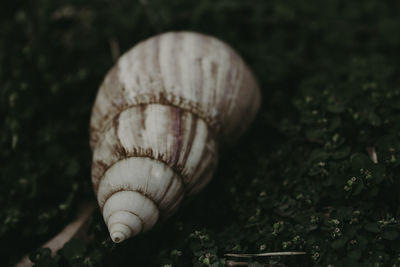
x=155, y=125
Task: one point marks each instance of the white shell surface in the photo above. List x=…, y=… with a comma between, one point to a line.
x=149, y=177
x=155, y=125
x=157, y=151
x=134, y=203
x=174, y=137
x=188, y=70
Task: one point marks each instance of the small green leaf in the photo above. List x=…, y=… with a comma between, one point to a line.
x=40, y=254
x=73, y=249
x=318, y=155
x=355, y=254
x=374, y=119
x=372, y=227
x=335, y=108
x=362, y=242
x=390, y=235
x=339, y=243
x=358, y=188
x=95, y=256
x=378, y=173
x=342, y=153
x=334, y=124
x=359, y=161
x=314, y=134
x=345, y=212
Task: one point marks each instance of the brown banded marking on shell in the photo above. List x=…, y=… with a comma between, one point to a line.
x=163, y=146
x=155, y=125
x=161, y=98
x=170, y=139
x=155, y=71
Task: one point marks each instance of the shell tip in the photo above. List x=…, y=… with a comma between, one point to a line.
x=117, y=237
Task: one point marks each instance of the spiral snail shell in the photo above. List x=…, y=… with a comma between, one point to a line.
x=156, y=123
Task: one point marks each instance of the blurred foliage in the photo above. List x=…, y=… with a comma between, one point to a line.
x=300, y=180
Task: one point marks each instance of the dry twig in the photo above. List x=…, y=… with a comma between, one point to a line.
x=372, y=154
x=268, y=254
x=114, y=47
x=69, y=231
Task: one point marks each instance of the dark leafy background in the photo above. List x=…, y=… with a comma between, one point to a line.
x=301, y=179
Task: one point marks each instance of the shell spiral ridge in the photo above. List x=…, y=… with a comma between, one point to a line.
x=157, y=120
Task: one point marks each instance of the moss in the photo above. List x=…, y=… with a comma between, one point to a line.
x=302, y=178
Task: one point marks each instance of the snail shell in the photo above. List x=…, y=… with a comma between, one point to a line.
x=156, y=123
